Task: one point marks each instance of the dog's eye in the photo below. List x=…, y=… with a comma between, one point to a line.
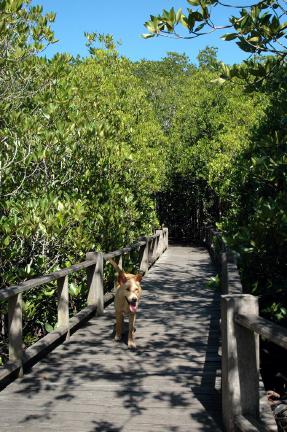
x=128, y=289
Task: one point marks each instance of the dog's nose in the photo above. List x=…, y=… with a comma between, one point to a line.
x=134, y=300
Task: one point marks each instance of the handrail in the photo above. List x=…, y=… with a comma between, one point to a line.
x=150, y=248
x=241, y=326
x=22, y=287
x=42, y=280
x=264, y=328
x=225, y=259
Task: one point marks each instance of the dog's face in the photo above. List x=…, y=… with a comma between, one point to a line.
x=131, y=289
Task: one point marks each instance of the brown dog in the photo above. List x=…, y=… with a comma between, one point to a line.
x=126, y=302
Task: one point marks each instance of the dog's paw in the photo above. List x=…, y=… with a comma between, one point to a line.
x=117, y=338
x=131, y=345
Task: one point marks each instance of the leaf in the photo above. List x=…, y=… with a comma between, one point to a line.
x=219, y=80
x=148, y=35
x=60, y=206
x=6, y=241
x=200, y=27
x=194, y=2
x=48, y=327
x=74, y=290
x=151, y=26
x=254, y=39
x=229, y=36
x=178, y=15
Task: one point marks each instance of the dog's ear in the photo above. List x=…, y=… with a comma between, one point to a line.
x=138, y=277
x=122, y=278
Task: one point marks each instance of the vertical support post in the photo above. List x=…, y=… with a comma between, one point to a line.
x=151, y=251
x=224, y=273
x=156, y=248
x=95, y=277
x=119, y=261
x=159, y=243
x=165, y=238
x=240, y=360
x=15, y=330
x=63, y=304
x=144, y=256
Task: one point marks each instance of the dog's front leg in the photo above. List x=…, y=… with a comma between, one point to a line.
x=119, y=326
x=132, y=320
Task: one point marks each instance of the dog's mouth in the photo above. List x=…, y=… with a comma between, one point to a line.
x=133, y=305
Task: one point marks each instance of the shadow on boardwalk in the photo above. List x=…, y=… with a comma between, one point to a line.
x=170, y=383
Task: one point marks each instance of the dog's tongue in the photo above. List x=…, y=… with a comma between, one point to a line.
x=133, y=308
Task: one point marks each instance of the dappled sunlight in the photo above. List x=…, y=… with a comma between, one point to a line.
x=171, y=382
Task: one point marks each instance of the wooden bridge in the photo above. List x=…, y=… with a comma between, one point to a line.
x=172, y=382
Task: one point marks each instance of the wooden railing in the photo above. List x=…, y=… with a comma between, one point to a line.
x=241, y=327
x=150, y=248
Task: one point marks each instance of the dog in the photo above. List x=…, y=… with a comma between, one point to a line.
x=127, y=299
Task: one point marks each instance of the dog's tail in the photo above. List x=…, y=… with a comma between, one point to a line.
x=116, y=266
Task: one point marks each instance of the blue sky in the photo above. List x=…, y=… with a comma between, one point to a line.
x=124, y=19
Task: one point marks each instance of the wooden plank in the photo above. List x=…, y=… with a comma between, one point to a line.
x=86, y=401
x=144, y=258
x=63, y=302
x=15, y=330
x=48, y=342
x=124, y=250
x=233, y=279
x=37, y=282
x=240, y=393
x=127, y=422
x=95, y=278
x=264, y=328
x=251, y=424
x=42, y=280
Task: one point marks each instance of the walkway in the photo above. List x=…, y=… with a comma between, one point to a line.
x=170, y=383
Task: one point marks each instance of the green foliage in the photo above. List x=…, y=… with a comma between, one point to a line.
x=233, y=141
x=259, y=28
x=257, y=223
x=24, y=31
x=214, y=283
x=86, y=166
x=207, y=59
x=81, y=158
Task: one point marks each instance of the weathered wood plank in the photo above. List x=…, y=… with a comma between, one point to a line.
x=44, y=345
x=42, y=280
x=264, y=328
x=15, y=329
x=63, y=302
x=95, y=278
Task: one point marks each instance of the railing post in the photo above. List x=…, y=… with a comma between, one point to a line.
x=95, y=278
x=224, y=274
x=15, y=330
x=240, y=361
x=151, y=251
x=165, y=232
x=119, y=261
x=63, y=303
x=156, y=251
x=159, y=241
x=144, y=256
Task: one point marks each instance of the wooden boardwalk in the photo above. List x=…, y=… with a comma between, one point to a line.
x=170, y=383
